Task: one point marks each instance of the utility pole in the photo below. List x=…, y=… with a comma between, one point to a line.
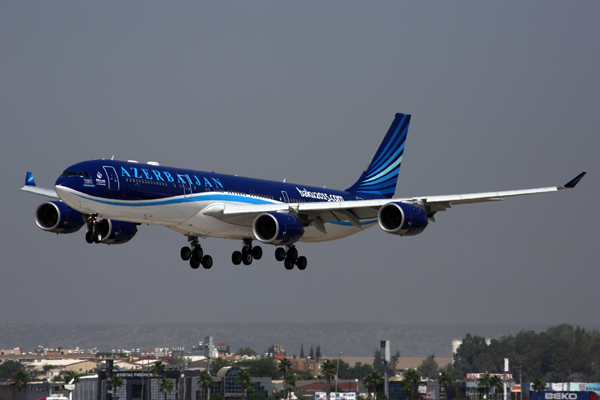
x=208, y=353
x=336, y=376
x=504, y=380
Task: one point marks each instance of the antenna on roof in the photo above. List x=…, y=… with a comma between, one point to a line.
x=113, y=157
x=284, y=179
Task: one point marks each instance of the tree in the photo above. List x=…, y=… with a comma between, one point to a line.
x=445, y=380
x=311, y=353
x=318, y=354
x=429, y=368
x=205, y=381
x=158, y=369
x=302, y=355
x=359, y=371
x=217, y=363
x=9, y=368
x=496, y=383
x=21, y=379
x=244, y=380
x=538, y=386
x=328, y=372
x=373, y=380
x=71, y=376
x=166, y=386
x=257, y=396
x=290, y=382
x=114, y=383
x=411, y=377
x=246, y=351
x=485, y=381
x=264, y=367
x=284, y=367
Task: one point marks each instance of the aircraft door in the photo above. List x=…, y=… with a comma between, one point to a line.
x=187, y=185
x=285, y=196
x=112, y=177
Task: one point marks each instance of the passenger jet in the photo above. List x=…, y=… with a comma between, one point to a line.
x=111, y=198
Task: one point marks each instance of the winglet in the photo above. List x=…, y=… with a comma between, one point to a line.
x=29, y=181
x=571, y=184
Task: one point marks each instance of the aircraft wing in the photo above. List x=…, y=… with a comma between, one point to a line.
x=32, y=188
x=318, y=213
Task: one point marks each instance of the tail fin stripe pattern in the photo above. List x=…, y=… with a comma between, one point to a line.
x=392, y=144
x=397, y=156
x=381, y=175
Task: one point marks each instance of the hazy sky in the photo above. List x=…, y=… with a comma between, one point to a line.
x=504, y=95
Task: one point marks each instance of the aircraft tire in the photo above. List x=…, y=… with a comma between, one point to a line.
x=97, y=238
x=207, y=262
x=293, y=253
x=301, y=262
x=236, y=258
x=194, y=263
x=186, y=253
x=247, y=257
x=257, y=252
x=89, y=236
x=197, y=252
x=279, y=254
x=289, y=263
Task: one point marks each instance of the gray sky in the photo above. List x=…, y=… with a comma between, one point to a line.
x=504, y=95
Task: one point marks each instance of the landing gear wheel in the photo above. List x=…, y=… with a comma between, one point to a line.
x=194, y=263
x=257, y=252
x=89, y=236
x=97, y=238
x=293, y=253
x=301, y=262
x=207, y=262
x=197, y=252
x=186, y=253
x=279, y=254
x=289, y=263
x=247, y=257
x=236, y=258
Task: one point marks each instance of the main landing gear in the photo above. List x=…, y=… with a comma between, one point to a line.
x=290, y=257
x=196, y=255
x=247, y=254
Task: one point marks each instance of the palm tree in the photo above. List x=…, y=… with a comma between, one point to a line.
x=410, y=380
x=496, y=383
x=485, y=381
x=372, y=380
x=205, y=381
x=243, y=379
x=290, y=382
x=328, y=373
x=114, y=383
x=166, y=386
x=445, y=381
x=21, y=379
x=284, y=366
x=71, y=376
x=538, y=386
x=159, y=369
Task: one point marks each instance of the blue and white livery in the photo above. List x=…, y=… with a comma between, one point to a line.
x=111, y=198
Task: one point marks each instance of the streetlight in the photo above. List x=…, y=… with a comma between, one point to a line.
x=336, y=375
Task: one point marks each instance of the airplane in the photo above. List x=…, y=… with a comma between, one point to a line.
x=111, y=198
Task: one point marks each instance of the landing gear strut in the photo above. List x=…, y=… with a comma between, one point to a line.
x=195, y=255
x=247, y=254
x=91, y=234
x=290, y=257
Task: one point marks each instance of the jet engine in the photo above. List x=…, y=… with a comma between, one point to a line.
x=277, y=228
x=57, y=217
x=114, y=232
x=402, y=219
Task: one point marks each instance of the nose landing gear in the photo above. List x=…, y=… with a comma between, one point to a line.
x=290, y=258
x=196, y=255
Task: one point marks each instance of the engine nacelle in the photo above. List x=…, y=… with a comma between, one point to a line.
x=115, y=232
x=57, y=217
x=277, y=228
x=402, y=219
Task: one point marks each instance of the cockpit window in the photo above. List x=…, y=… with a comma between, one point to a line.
x=71, y=173
x=87, y=175
x=80, y=174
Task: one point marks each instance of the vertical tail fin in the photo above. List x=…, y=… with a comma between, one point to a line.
x=380, y=177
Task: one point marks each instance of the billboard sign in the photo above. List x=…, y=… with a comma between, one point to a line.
x=340, y=396
x=474, y=376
